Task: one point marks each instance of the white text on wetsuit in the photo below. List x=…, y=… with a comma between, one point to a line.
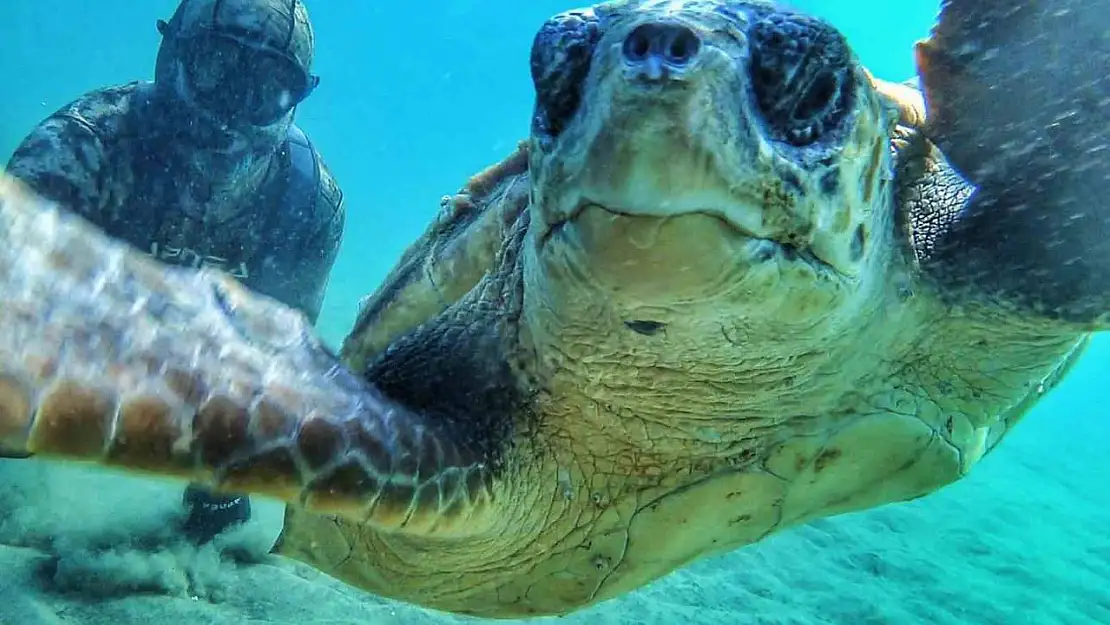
x=192, y=258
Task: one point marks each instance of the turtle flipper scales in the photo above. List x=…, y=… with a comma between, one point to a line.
x=111, y=358
x=1018, y=100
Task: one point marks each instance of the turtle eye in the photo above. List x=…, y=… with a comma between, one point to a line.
x=561, y=53
x=802, y=77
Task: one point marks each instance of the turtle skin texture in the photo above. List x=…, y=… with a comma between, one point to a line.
x=730, y=284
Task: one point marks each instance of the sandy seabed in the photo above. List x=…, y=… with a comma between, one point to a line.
x=1025, y=539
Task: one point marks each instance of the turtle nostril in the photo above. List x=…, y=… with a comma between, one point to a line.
x=654, y=46
x=684, y=46
x=637, y=45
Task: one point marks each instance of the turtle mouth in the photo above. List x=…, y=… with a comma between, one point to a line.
x=758, y=249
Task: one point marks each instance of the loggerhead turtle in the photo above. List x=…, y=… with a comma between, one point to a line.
x=732, y=283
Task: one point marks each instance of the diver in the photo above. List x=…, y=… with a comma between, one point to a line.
x=205, y=167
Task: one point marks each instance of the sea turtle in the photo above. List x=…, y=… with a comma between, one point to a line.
x=730, y=284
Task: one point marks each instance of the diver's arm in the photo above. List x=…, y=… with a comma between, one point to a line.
x=315, y=252
x=315, y=264
x=302, y=252
x=62, y=159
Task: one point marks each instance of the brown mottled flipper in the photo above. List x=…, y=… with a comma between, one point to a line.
x=111, y=358
x=1018, y=99
x=452, y=255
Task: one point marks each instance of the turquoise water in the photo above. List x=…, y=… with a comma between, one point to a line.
x=415, y=98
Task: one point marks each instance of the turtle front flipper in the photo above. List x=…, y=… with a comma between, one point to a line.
x=1018, y=100
x=109, y=357
x=453, y=254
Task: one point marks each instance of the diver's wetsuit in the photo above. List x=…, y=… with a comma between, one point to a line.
x=96, y=158
x=101, y=157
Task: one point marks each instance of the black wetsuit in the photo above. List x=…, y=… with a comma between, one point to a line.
x=100, y=157
x=94, y=157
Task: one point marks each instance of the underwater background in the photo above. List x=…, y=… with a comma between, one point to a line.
x=414, y=98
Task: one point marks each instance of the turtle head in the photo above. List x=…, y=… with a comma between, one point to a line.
x=706, y=157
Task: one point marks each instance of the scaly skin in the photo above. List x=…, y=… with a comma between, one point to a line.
x=107, y=356
x=733, y=421
x=590, y=514
x=717, y=317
